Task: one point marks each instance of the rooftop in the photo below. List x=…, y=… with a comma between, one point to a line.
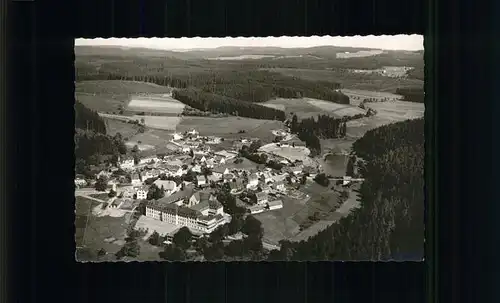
x=182, y=194
x=261, y=195
x=275, y=203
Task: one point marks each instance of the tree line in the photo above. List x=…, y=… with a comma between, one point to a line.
x=245, y=85
x=412, y=94
x=92, y=144
x=390, y=223
x=205, y=101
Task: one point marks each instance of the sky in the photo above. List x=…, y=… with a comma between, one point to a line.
x=396, y=42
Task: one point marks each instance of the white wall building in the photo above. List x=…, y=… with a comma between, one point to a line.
x=141, y=193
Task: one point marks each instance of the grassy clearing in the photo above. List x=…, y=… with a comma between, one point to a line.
x=359, y=54
x=301, y=107
x=109, y=95
x=83, y=209
x=114, y=126
x=222, y=126
x=278, y=224
x=100, y=230
x=156, y=104
x=289, y=152
x=335, y=109
x=398, y=110
x=160, y=122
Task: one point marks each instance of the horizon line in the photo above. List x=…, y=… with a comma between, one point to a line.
x=384, y=42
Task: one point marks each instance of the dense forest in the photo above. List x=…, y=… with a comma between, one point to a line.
x=245, y=84
x=390, y=223
x=412, y=94
x=87, y=119
x=92, y=145
x=205, y=101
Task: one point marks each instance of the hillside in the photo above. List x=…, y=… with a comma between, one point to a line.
x=92, y=145
x=390, y=223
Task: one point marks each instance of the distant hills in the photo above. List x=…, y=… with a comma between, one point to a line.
x=322, y=52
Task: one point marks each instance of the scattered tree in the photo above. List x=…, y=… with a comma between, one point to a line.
x=182, y=238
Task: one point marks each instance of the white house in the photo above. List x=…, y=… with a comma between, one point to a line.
x=296, y=170
x=268, y=177
x=255, y=209
x=127, y=163
x=146, y=175
x=80, y=182
x=226, y=154
x=347, y=180
x=193, y=132
x=200, y=180
x=196, y=168
x=136, y=180
x=220, y=171
x=141, y=193
x=277, y=204
x=178, y=136
x=253, y=181
x=209, y=163
x=279, y=186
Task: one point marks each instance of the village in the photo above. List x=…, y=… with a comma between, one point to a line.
x=179, y=188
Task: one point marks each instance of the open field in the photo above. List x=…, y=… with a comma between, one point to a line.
x=242, y=57
x=387, y=112
x=285, y=223
x=278, y=224
x=164, y=104
x=301, y=107
x=228, y=125
x=105, y=232
x=160, y=122
x=359, y=54
x=127, y=130
x=108, y=95
x=83, y=209
x=308, y=107
x=334, y=165
x=398, y=110
x=350, y=80
x=288, y=152
x=336, y=109
x=150, y=139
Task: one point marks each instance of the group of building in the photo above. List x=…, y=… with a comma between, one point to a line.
x=190, y=203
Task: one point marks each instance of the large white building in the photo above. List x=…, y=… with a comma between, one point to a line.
x=197, y=211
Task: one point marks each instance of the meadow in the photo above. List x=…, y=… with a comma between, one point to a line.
x=164, y=104
x=229, y=125
x=111, y=95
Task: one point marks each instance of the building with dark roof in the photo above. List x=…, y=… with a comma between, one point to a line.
x=197, y=210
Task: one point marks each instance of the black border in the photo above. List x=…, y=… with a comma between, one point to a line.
x=39, y=156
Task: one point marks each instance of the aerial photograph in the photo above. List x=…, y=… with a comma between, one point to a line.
x=249, y=149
